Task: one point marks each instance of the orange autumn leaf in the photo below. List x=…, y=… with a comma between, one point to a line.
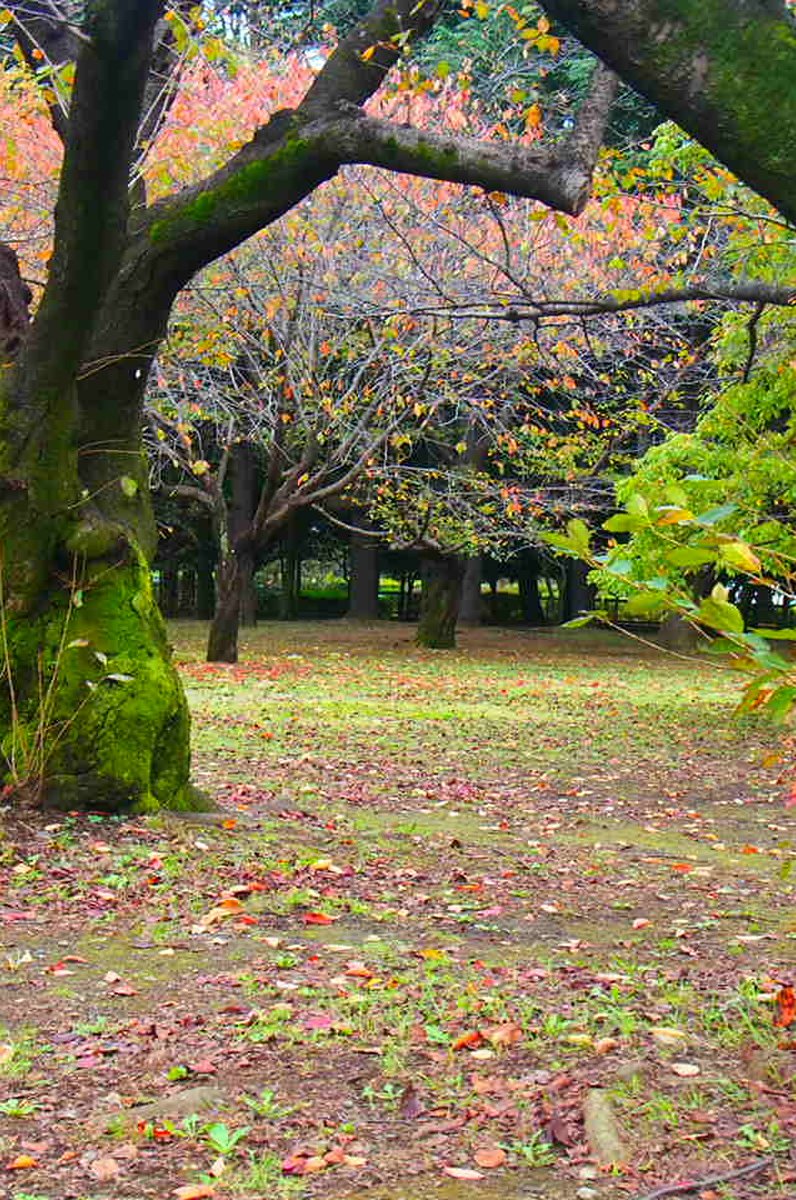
x=21, y=1163
x=231, y=904
x=785, y=1007
x=317, y=918
x=194, y=1191
x=468, y=1040
x=490, y=1157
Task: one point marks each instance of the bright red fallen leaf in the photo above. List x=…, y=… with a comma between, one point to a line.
x=317, y=918
x=468, y=1040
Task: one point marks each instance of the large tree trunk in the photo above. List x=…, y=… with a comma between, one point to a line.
x=439, y=605
x=363, y=593
x=92, y=713
x=723, y=69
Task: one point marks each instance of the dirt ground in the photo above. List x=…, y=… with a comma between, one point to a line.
x=514, y=920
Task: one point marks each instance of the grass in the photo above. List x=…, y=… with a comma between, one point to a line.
x=463, y=889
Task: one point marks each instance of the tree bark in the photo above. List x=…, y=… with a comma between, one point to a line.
x=439, y=604
x=722, y=69
x=578, y=592
x=471, y=607
x=363, y=594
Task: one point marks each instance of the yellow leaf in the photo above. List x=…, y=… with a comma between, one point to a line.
x=481, y=10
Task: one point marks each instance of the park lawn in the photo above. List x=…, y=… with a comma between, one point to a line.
x=449, y=901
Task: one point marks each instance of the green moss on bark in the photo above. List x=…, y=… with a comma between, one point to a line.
x=118, y=730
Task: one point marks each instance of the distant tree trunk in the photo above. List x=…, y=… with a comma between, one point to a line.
x=439, y=605
x=363, y=588
x=169, y=591
x=528, y=579
x=291, y=573
x=471, y=608
x=578, y=592
x=222, y=642
x=186, y=598
x=242, y=504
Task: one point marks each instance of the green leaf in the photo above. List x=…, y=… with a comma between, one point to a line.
x=579, y=536
x=637, y=506
x=128, y=485
x=690, y=556
x=781, y=702
x=779, y=635
x=578, y=622
x=624, y=523
x=721, y=615
x=714, y=515
x=643, y=604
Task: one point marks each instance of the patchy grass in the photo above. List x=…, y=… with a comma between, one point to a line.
x=445, y=896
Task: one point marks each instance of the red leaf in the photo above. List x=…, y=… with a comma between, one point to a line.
x=317, y=918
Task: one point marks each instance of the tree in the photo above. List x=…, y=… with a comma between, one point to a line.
x=725, y=70
x=76, y=522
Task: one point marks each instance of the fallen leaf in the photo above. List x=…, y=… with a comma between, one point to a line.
x=684, y=1069
x=666, y=1036
x=21, y=1163
x=785, y=1007
x=410, y=1105
x=105, y=1168
x=490, y=1157
x=194, y=1191
x=463, y=1173
x=503, y=1035
x=641, y=923
x=467, y=1040
x=317, y=918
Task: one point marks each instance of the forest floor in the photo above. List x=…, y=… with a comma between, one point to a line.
x=510, y=921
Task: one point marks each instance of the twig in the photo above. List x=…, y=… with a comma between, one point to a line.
x=697, y=1185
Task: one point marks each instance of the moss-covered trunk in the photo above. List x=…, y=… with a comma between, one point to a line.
x=439, y=605
x=92, y=712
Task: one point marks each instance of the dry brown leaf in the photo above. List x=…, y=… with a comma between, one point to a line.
x=684, y=1069
x=105, y=1168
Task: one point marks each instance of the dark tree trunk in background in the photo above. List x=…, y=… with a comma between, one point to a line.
x=439, y=605
x=169, y=597
x=578, y=592
x=245, y=490
x=471, y=607
x=528, y=580
x=291, y=572
x=363, y=588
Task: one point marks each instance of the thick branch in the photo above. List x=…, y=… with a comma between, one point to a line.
x=559, y=175
x=92, y=208
x=722, y=69
x=530, y=308
x=360, y=62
